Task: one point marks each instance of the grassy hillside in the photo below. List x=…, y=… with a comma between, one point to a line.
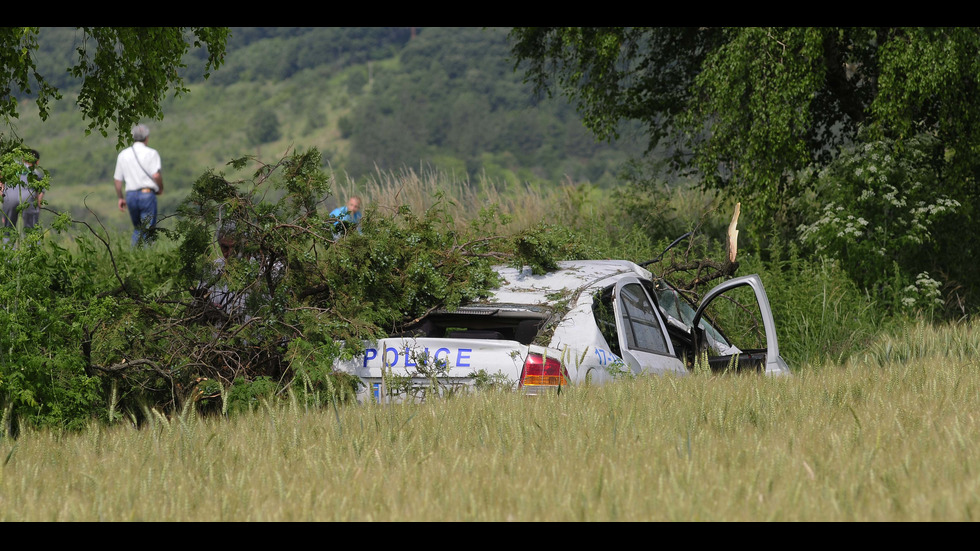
x=458, y=106
x=201, y=130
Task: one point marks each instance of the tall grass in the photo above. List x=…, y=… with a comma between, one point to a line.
x=886, y=441
x=592, y=213
x=920, y=340
x=525, y=205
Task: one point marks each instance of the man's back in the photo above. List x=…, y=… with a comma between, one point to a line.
x=136, y=165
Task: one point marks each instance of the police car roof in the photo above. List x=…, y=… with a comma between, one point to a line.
x=521, y=287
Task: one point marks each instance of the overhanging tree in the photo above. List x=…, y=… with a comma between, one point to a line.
x=747, y=106
x=744, y=109
x=124, y=73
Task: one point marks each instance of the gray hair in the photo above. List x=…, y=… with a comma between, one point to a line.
x=226, y=229
x=140, y=132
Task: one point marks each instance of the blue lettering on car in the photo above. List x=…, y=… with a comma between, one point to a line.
x=462, y=356
x=606, y=357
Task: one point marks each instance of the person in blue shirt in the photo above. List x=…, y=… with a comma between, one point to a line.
x=347, y=217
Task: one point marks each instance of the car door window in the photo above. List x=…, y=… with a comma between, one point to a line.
x=641, y=323
x=605, y=319
x=737, y=312
x=680, y=308
x=636, y=330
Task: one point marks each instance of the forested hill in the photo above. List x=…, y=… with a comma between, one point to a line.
x=369, y=98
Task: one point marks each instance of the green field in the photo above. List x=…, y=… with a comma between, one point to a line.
x=887, y=437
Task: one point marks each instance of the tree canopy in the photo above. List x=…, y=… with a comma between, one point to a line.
x=747, y=106
x=775, y=117
x=124, y=72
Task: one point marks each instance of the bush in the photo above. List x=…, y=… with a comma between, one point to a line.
x=878, y=221
x=821, y=315
x=49, y=297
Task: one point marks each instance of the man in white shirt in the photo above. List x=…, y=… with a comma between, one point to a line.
x=138, y=166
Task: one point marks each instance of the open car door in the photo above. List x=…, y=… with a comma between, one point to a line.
x=735, y=328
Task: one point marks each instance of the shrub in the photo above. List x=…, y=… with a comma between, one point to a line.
x=882, y=205
x=49, y=298
x=821, y=315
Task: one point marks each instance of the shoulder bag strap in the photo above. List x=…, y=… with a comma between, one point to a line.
x=135, y=156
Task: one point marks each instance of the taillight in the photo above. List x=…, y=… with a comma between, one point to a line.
x=540, y=371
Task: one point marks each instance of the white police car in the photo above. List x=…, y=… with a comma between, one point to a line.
x=588, y=321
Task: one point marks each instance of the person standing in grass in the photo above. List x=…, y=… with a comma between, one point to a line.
x=138, y=167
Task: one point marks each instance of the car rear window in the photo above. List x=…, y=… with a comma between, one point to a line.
x=509, y=323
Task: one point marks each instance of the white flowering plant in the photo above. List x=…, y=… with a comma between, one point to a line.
x=882, y=201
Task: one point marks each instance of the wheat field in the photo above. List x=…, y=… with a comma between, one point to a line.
x=886, y=437
x=891, y=435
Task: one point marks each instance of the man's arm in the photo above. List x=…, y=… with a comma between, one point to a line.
x=158, y=178
x=119, y=193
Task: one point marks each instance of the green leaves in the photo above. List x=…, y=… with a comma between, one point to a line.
x=18, y=70
x=542, y=246
x=927, y=81
x=47, y=299
x=879, y=213
x=125, y=72
x=745, y=107
x=754, y=101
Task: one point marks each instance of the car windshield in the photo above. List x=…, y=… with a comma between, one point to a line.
x=679, y=308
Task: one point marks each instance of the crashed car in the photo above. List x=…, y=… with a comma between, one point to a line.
x=587, y=321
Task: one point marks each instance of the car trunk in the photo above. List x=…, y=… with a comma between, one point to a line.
x=449, y=351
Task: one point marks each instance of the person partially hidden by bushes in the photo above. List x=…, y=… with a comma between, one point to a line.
x=219, y=297
x=346, y=217
x=18, y=196
x=213, y=296
x=230, y=325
